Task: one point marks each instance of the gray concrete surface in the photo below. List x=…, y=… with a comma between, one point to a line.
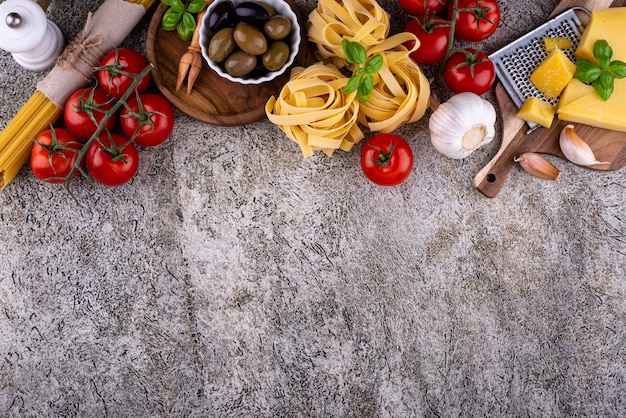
x=231, y=277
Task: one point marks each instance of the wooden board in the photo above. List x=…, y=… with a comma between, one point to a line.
x=214, y=99
x=607, y=145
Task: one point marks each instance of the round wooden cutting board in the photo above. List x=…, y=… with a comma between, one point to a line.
x=214, y=99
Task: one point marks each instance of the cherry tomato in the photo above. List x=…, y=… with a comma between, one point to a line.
x=54, y=154
x=84, y=111
x=112, y=160
x=151, y=117
x=469, y=70
x=386, y=159
x=116, y=70
x=433, y=34
x=422, y=7
x=478, y=21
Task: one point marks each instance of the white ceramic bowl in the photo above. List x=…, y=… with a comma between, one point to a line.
x=282, y=8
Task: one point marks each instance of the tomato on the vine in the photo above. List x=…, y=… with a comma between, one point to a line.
x=422, y=7
x=386, y=159
x=84, y=111
x=469, y=71
x=116, y=71
x=151, y=119
x=433, y=34
x=476, y=20
x=54, y=154
x=112, y=159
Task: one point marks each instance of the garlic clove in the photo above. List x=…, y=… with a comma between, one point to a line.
x=536, y=165
x=575, y=149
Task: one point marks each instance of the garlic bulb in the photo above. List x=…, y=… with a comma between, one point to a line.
x=575, y=149
x=462, y=124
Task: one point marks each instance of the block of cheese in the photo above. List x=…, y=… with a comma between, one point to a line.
x=538, y=111
x=579, y=102
x=607, y=24
x=553, y=74
x=550, y=44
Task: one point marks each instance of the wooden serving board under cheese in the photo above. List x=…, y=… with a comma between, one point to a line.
x=607, y=145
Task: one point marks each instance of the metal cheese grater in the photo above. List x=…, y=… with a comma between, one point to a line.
x=515, y=62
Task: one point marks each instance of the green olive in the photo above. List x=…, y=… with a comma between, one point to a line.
x=221, y=45
x=276, y=56
x=239, y=63
x=249, y=39
x=277, y=27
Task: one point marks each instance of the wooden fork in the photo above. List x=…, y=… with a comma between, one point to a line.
x=191, y=61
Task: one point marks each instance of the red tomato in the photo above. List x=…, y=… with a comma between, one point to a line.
x=112, y=160
x=433, y=34
x=54, y=154
x=84, y=111
x=152, y=118
x=386, y=159
x=421, y=7
x=469, y=70
x=116, y=71
x=478, y=21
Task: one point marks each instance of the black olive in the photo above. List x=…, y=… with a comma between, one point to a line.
x=252, y=13
x=222, y=16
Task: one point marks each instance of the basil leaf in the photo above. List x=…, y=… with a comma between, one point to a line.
x=348, y=51
x=170, y=19
x=353, y=84
x=365, y=89
x=618, y=69
x=178, y=6
x=374, y=65
x=185, y=28
x=168, y=2
x=196, y=6
x=359, y=52
x=603, y=53
x=604, y=85
x=586, y=71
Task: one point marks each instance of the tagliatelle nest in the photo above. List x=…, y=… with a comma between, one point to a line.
x=362, y=21
x=313, y=111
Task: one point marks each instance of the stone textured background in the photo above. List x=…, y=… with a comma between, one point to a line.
x=232, y=277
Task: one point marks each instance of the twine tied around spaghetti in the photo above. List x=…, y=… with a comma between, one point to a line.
x=84, y=49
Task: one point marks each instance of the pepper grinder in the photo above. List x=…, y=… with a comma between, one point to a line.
x=25, y=32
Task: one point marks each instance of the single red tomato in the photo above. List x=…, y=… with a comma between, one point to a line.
x=386, y=159
x=151, y=119
x=54, y=154
x=422, y=7
x=469, y=71
x=477, y=21
x=84, y=111
x=433, y=34
x=112, y=159
x=118, y=69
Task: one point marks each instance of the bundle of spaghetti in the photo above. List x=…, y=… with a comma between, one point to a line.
x=314, y=112
x=105, y=29
x=401, y=91
x=363, y=21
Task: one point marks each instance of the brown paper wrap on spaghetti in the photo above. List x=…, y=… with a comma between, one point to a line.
x=104, y=30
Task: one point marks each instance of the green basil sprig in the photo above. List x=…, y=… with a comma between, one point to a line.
x=362, y=80
x=603, y=74
x=179, y=16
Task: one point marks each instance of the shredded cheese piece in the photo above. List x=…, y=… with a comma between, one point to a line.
x=362, y=21
x=312, y=110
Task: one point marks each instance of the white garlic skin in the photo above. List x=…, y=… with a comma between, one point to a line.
x=576, y=149
x=461, y=125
